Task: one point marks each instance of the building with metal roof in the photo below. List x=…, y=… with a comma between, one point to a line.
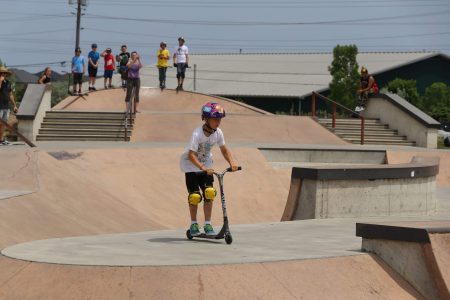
x=291, y=76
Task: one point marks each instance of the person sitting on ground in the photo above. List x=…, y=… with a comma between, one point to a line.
x=46, y=76
x=6, y=97
x=197, y=158
x=367, y=88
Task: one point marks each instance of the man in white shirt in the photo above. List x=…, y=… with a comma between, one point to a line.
x=181, y=61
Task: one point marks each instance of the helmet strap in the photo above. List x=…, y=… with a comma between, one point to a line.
x=208, y=128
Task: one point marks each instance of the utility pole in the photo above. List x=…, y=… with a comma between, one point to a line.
x=77, y=40
x=79, y=4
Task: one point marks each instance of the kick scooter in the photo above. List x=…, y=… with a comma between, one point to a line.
x=225, y=231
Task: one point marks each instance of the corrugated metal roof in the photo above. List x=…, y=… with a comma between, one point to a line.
x=273, y=74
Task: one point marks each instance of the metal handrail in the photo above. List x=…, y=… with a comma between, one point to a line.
x=131, y=110
x=23, y=138
x=334, y=104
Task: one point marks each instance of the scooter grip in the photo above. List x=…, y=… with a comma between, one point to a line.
x=238, y=169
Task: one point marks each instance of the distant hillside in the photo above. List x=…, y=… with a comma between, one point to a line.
x=23, y=76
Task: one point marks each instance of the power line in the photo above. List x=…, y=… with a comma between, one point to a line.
x=39, y=64
x=266, y=23
x=272, y=40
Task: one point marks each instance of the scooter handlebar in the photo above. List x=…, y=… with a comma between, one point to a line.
x=229, y=169
x=226, y=170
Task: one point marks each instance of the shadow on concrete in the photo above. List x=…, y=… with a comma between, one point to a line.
x=182, y=240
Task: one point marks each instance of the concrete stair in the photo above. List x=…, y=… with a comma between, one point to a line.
x=83, y=126
x=375, y=133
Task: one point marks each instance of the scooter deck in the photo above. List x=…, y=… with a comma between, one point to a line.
x=211, y=237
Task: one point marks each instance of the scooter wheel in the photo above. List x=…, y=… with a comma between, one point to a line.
x=228, y=239
x=188, y=234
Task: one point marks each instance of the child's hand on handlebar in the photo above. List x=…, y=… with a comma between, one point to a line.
x=209, y=171
x=234, y=168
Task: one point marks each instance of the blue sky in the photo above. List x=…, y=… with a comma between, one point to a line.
x=34, y=33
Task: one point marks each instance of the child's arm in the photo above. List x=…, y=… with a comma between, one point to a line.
x=228, y=157
x=194, y=159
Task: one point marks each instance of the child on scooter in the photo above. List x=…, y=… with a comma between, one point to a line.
x=198, y=158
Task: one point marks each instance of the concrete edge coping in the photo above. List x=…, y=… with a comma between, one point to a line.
x=410, y=109
x=325, y=148
x=416, y=232
x=418, y=167
x=31, y=101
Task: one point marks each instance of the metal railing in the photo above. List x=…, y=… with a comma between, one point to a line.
x=334, y=105
x=130, y=113
x=19, y=135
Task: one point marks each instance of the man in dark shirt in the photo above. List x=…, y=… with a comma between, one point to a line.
x=122, y=59
x=6, y=96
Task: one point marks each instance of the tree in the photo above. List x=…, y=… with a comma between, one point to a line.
x=344, y=70
x=406, y=89
x=436, y=101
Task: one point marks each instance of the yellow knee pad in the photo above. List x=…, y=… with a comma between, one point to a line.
x=210, y=194
x=194, y=198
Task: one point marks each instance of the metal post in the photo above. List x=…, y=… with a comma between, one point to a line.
x=334, y=116
x=77, y=39
x=195, y=77
x=362, y=130
x=313, y=104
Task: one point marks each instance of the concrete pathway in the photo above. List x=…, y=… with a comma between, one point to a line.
x=268, y=242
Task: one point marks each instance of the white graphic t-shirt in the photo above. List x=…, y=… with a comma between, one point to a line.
x=201, y=144
x=181, y=52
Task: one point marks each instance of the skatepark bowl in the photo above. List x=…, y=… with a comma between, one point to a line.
x=107, y=220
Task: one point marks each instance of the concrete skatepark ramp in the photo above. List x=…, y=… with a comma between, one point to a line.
x=108, y=219
x=419, y=251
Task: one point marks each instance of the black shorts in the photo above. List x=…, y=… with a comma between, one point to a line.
x=198, y=181
x=92, y=72
x=77, y=78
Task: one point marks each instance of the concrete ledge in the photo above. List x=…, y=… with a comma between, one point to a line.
x=415, y=169
x=328, y=155
x=31, y=101
x=35, y=103
x=416, y=250
x=404, y=117
x=363, y=191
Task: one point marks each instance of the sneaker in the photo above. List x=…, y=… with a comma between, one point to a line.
x=194, y=229
x=93, y=88
x=110, y=86
x=5, y=142
x=209, y=230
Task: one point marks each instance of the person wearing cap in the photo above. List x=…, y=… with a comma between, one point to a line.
x=6, y=98
x=78, y=69
x=181, y=61
x=163, y=58
x=109, y=66
x=94, y=61
x=123, y=59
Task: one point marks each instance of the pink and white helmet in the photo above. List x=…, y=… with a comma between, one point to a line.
x=212, y=110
